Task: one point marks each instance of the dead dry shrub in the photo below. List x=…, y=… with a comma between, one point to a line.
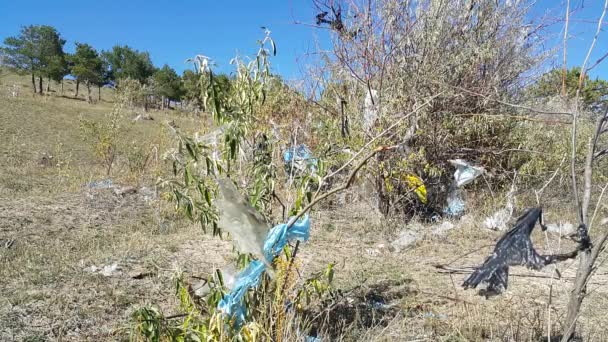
x=472, y=56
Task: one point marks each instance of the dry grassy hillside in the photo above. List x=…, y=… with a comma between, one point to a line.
x=76, y=259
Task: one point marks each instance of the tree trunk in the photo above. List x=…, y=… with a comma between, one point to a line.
x=589, y=257
x=89, y=98
x=99, y=93
x=77, y=86
x=586, y=266
x=577, y=295
x=48, y=86
x=62, y=87
x=34, y=83
x=40, y=84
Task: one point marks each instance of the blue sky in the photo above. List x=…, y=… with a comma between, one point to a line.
x=583, y=24
x=172, y=31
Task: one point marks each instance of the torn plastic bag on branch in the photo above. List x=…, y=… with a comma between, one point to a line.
x=465, y=174
x=515, y=249
x=280, y=235
x=299, y=159
x=232, y=303
x=246, y=225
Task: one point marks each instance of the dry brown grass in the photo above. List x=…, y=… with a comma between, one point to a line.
x=61, y=228
x=439, y=309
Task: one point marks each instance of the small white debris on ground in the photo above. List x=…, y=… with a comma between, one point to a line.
x=106, y=271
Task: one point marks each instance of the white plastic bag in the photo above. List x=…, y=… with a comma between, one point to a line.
x=465, y=172
x=247, y=227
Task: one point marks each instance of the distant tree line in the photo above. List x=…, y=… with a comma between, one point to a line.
x=593, y=94
x=38, y=50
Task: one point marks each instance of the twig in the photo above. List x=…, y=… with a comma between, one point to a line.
x=175, y=316
x=316, y=200
x=518, y=117
x=599, y=200
x=468, y=253
x=597, y=33
x=564, y=67
x=600, y=153
x=467, y=270
x=510, y=104
x=486, y=151
x=274, y=194
x=540, y=191
x=598, y=61
x=454, y=299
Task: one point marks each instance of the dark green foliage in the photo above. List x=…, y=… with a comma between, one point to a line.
x=195, y=87
x=37, y=50
x=550, y=84
x=168, y=83
x=192, y=87
x=125, y=62
x=57, y=67
x=223, y=82
x=87, y=66
x=54, y=64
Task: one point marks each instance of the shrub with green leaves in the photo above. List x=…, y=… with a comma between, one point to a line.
x=103, y=136
x=243, y=151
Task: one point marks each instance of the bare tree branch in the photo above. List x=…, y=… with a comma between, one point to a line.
x=564, y=67
x=588, y=257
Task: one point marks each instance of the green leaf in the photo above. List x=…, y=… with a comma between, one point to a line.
x=191, y=151
x=187, y=177
x=189, y=208
x=329, y=273
x=274, y=46
x=208, y=197
x=201, y=219
x=233, y=149
x=287, y=251
x=209, y=163
x=220, y=277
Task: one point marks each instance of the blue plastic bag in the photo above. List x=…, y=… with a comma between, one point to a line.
x=455, y=204
x=299, y=157
x=232, y=303
x=279, y=236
